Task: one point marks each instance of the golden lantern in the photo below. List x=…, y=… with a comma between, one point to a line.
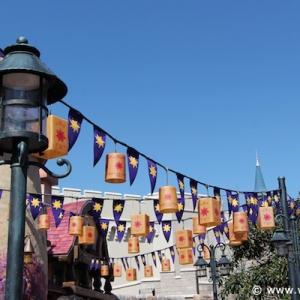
x=130, y=274
x=197, y=228
x=104, y=269
x=44, y=222
x=168, y=199
x=234, y=239
x=165, y=265
x=265, y=219
x=133, y=245
x=140, y=224
x=185, y=256
x=240, y=222
x=88, y=235
x=115, y=170
x=76, y=225
x=148, y=271
x=117, y=270
x=184, y=238
x=209, y=212
x=57, y=134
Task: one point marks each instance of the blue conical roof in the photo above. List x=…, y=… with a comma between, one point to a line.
x=259, y=180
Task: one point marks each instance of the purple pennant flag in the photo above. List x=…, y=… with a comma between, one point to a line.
x=217, y=234
x=151, y=232
x=297, y=210
x=180, y=180
x=276, y=201
x=158, y=214
x=104, y=227
x=121, y=227
x=123, y=262
x=201, y=238
x=35, y=202
x=99, y=143
x=194, y=192
x=269, y=198
x=143, y=259
x=137, y=262
x=1, y=191
x=229, y=200
x=152, y=171
x=159, y=255
x=194, y=245
x=235, y=202
x=221, y=227
x=291, y=206
x=57, y=204
x=75, y=119
x=118, y=207
x=1, y=54
x=167, y=228
x=133, y=163
x=92, y=264
x=172, y=252
x=226, y=230
x=96, y=265
x=181, y=204
x=60, y=217
x=252, y=206
x=97, y=208
x=154, y=258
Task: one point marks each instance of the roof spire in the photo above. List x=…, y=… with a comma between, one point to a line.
x=259, y=185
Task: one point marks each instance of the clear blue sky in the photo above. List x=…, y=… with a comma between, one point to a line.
x=197, y=86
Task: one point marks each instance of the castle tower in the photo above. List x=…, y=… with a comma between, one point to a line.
x=259, y=185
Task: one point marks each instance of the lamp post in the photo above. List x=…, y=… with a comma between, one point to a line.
x=287, y=241
x=220, y=268
x=26, y=87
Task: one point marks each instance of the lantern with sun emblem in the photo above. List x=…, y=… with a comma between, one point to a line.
x=168, y=199
x=197, y=228
x=133, y=244
x=57, y=134
x=165, y=265
x=185, y=256
x=240, y=222
x=44, y=222
x=76, y=225
x=140, y=224
x=209, y=212
x=265, y=219
x=234, y=238
x=88, y=235
x=148, y=271
x=117, y=270
x=115, y=170
x=104, y=269
x=130, y=274
x=184, y=238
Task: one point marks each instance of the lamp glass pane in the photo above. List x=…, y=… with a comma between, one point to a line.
x=21, y=81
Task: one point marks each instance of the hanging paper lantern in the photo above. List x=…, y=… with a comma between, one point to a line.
x=104, y=269
x=140, y=225
x=115, y=171
x=133, y=245
x=265, y=219
x=184, y=238
x=131, y=274
x=165, y=265
x=240, y=222
x=168, y=199
x=44, y=222
x=117, y=270
x=185, y=256
x=58, y=141
x=197, y=228
x=209, y=212
x=76, y=225
x=206, y=253
x=88, y=235
x=148, y=271
x=234, y=239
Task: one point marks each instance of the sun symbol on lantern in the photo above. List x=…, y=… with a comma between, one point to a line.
x=181, y=239
x=182, y=256
x=90, y=235
x=267, y=217
x=129, y=274
x=130, y=244
x=217, y=212
x=74, y=224
x=119, y=165
x=241, y=220
x=137, y=224
x=204, y=211
x=168, y=196
x=60, y=135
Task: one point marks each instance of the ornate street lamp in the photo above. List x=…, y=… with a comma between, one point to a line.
x=286, y=241
x=27, y=85
x=217, y=268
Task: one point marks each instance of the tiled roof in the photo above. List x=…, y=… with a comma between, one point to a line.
x=61, y=241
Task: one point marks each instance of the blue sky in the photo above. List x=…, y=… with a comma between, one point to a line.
x=197, y=86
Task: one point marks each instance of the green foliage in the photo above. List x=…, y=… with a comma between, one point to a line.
x=255, y=264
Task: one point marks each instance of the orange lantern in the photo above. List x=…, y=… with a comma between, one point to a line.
x=197, y=228
x=234, y=239
x=206, y=253
x=185, y=256
x=88, y=235
x=115, y=171
x=265, y=219
x=240, y=222
x=165, y=265
x=133, y=245
x=44, y=222
x=209, y=212
x=76, y=225
x=184, y=238
x=104, y=270
x=58, y=140
x=140, y=225
x=148, y=271
x=168, y=199
x=130, y=274
x=117, y=269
